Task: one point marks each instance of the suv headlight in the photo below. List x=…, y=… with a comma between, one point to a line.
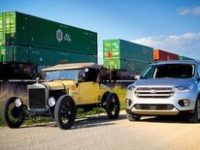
x=131, y=87
x=184, y=88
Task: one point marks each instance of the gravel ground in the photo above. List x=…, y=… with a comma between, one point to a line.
x=99, y=133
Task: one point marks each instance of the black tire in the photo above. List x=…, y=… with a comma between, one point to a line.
x=65, y=112
x=195, y=117
x=13, y=116
x=132, y=117
x=112, y=106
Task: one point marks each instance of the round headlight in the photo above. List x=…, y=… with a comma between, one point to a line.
x=51, y=101
x=18, y=102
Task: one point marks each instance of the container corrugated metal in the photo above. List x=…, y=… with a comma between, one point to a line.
x=21, y=29
x=15, y=54
x=121, y=54
x=161, y=55
x=7, y=27
x=184, y=58
x=39, y=56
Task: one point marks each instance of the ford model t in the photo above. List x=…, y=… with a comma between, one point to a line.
x=66, y=88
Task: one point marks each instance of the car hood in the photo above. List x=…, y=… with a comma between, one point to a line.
x=60, y=84
x=164, y=82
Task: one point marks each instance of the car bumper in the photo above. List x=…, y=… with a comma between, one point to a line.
x=159, y=106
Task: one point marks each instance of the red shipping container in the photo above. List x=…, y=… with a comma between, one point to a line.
x=161, y=55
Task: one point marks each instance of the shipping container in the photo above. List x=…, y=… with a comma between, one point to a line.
x=161, y=55
x=111, y=53
x=26, y=30
x=184, y=58
x=121, y=54
x=41, y=56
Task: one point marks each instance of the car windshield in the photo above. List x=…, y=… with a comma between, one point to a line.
x=62, y=75
x=169, y=71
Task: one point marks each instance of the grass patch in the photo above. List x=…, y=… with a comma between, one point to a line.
x=82, y=113
x=37, y=120
x=1, y=121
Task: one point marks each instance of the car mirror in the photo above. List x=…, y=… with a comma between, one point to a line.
x=137, y=77
x=86, y=69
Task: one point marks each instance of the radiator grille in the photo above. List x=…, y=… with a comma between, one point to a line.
x=154, y=106
x=154, y=92
x=37, y=98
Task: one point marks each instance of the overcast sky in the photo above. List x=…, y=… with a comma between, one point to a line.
x=172, y=25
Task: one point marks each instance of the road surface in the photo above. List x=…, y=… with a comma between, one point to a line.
x=99, y=133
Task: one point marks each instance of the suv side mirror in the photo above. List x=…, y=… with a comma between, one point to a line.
x=136, y=77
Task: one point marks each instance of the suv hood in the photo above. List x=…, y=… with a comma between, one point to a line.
x=164, y=82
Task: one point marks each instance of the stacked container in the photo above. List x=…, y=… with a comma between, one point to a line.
x=25, y=38
x=184, y=58
x=161, y=55
x=121, y=54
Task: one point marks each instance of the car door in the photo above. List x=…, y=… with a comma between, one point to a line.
x=88, y=92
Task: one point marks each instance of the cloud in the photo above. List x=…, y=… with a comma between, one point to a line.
x=189, y=11
x=186, y=44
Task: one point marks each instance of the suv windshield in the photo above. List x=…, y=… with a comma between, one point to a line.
x=62, y=74
x=169, y=71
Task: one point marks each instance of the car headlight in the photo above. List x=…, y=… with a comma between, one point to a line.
x=18, y=102
x=131, y=87
x=51, y=101
x=184, y=88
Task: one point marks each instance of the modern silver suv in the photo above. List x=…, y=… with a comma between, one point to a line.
x=166, y=88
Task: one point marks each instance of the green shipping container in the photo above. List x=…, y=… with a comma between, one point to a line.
x=39, y=56
x=14, y=54
x=121, y=54
x=111, y=54
x=26, y=30
x=184, y=58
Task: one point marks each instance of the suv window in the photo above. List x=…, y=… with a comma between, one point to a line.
x=169, y=71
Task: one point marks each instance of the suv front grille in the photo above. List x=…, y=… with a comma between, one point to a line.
x=154, y=106
x=154, y=92
x=37, y=98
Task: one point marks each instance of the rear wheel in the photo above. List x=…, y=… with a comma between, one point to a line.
x=13, y=116
x=112, y=106
x=195, y=117
x=65, y=112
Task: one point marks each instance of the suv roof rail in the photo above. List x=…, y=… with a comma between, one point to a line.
x=189, y=60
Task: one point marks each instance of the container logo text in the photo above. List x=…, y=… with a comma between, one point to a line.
x=62, y=37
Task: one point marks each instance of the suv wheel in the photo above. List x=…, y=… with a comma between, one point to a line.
x=112, y=106
x=13, y=116
x=195, y=117
x=132, y=117
x=65, y=112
